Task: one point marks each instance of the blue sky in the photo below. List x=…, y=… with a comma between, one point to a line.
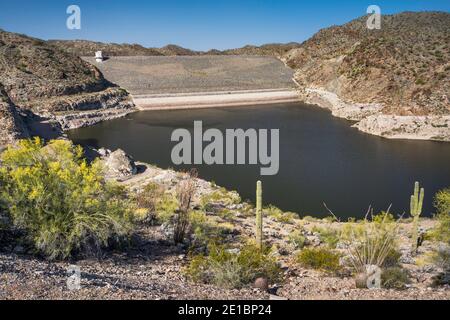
x=196, y=24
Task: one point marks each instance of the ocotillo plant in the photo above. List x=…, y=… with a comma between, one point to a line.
x=259, y=216
x=416, y=211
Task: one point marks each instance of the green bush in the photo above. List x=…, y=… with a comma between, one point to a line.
x=147, y=202
x=221, y=196
x=166, y=208
x=319, y=259
x=206, y=229
x=63, y=204
x=230, y=269
x=297, y=239
x=329, y=236
x=395, y=278
x=442, y=204
x=280, y=216
x=383, y=217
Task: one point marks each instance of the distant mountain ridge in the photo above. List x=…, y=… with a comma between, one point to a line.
x=84, y=48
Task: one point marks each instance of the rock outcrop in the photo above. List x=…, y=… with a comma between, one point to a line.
x=11, y=124
x=119, y=165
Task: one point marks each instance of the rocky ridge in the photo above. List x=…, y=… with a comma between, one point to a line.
x=42, y=83
x=401, y=70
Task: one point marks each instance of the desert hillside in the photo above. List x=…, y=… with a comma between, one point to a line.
x=405, y=66
x=88, y=48
x=275, y=49
x=40, y=78
x=84, y=48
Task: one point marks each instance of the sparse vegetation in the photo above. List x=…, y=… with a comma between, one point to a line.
x=297, y=239
x=185, y=194
x=329, y=236
x=319, y=259
x=442, y=234
x=280, y=216
x=234, y=268
x=395, y=278
x=147, y=201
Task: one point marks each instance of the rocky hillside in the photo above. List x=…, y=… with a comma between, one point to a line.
x=404, y=68
x=88, y=48
x=84, y=48
x=42, y=79
x=274, y=49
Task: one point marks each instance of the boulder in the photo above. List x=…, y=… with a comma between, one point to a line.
x=119, y=165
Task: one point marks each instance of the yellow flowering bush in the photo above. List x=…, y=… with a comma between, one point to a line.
x=63, y=204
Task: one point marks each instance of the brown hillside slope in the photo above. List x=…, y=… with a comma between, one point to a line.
x=405, y=66
x=275, y=49
x=84, y=48
x=40, y=78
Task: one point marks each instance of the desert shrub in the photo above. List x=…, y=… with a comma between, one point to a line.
x=310, y=219
x=319, y=259
x=351, y=230
x=185, y=195
x=206, y=229
x=64, y=205
x=442, y=204
x=234, y=269
x=221, y=196
x=395, y=278
x=383, y=217
x=280, y=216
x=166, y=207
x=297, y=239
x=376, y=246
x=441, y=255
x=329, y=236
x=147, y=202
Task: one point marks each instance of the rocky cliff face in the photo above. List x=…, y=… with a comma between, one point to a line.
x=11, y=123
x=51, y=84
x=404, y=69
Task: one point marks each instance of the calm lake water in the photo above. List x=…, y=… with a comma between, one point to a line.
x=322, y=159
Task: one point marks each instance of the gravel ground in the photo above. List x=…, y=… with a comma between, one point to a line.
x=152, y=270
x=157, y=75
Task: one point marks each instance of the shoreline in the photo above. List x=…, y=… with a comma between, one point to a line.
x=370, y=119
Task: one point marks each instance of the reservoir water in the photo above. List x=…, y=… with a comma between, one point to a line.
x=322, y=159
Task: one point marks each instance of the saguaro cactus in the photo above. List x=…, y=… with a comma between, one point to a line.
x=416, y=211
x=259, y=215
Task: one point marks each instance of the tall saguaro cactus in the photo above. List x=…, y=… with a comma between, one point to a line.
x=416, y=211
x=259, y=216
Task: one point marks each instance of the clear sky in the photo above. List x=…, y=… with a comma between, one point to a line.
x=195, y=24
